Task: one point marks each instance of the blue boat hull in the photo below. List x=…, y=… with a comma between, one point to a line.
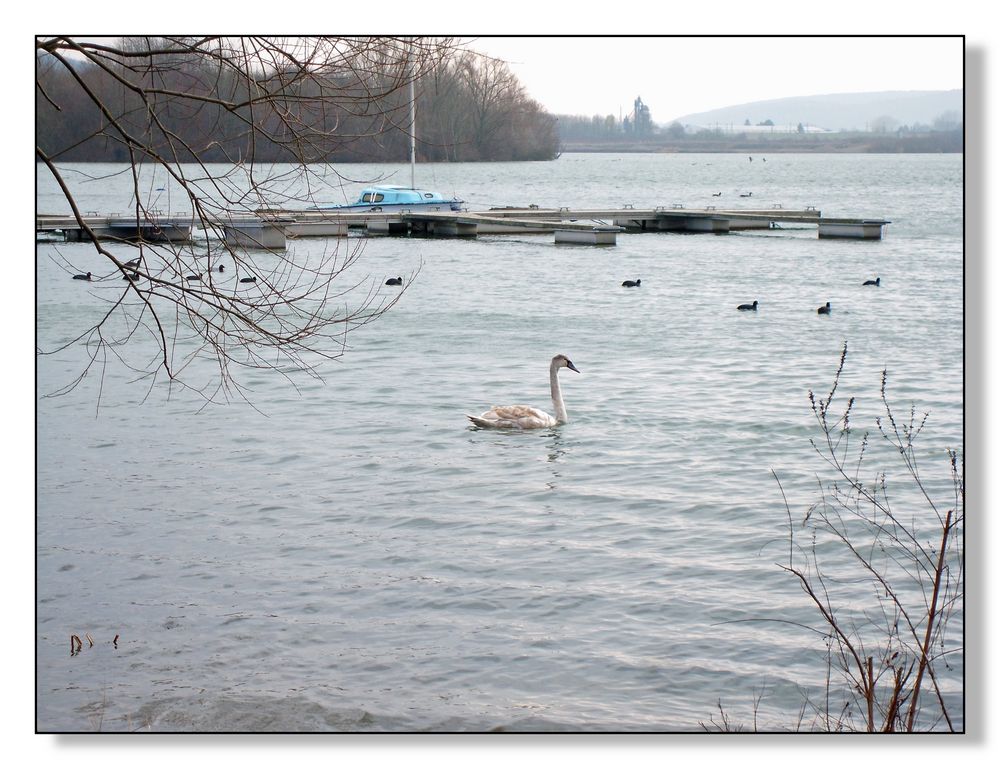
x=391, y=198
x=445, y=205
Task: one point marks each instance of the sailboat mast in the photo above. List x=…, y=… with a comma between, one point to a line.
x=413, y=136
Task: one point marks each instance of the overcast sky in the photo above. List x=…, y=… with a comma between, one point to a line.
x=677, y=76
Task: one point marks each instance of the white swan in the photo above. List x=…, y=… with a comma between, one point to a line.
x=527, y=417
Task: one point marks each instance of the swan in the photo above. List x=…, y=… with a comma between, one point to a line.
x=632, y=283
x=394, y=282
x=526, y=417
x=82, y=277
x=824, y=310
x=872, y=282
x=748, y=306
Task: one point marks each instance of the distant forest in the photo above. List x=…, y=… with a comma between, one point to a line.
x=952, y=140
x=598, y=133
x=468, y=108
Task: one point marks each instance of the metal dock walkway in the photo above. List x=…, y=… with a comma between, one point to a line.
x=269, y=228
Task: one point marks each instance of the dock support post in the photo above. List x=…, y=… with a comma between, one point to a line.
x=706, y=224
x=668, y=223
x=256, y=234
x=594, y=237
x=860, y=230
x=454, y=229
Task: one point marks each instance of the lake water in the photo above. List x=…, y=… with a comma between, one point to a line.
x=349, y=554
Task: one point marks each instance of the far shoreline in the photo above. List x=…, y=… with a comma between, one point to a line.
x=844, y=145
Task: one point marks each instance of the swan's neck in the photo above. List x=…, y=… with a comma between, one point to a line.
x=557, y=401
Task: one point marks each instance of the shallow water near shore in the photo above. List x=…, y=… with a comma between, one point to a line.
x=350, y=554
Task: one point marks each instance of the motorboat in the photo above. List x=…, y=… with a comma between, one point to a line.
x=395, y=198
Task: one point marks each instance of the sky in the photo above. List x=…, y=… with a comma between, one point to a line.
x=677, y=76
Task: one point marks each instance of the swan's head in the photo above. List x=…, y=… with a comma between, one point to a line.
x=561, y=361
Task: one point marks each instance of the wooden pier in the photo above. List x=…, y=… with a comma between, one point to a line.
x=270, y=228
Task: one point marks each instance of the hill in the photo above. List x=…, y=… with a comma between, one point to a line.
x=838, y=112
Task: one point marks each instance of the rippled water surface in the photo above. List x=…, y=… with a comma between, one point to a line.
x=349, y=554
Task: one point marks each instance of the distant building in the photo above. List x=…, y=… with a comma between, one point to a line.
x=639, y=122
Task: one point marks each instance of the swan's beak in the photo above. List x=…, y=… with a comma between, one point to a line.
x=571, y=367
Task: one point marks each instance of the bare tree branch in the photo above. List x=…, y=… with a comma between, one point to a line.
x=250, y=94
x=884, y=651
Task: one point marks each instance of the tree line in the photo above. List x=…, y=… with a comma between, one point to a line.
x=605, y=133
x=348, y=105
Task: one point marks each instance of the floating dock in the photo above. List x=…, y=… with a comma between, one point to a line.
x=152, y=229
x=270, y=228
